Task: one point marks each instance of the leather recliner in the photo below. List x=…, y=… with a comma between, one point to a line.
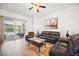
x=29, y=35
x=66, y=47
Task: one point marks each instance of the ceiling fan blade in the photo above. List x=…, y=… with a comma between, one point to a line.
x=37, y=10
x=35, y=4
x=42, y=6
x=30, y=8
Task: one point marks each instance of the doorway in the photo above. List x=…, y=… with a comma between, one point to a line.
x=13, y=29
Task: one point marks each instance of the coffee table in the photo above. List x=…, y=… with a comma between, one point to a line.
x=37, y=42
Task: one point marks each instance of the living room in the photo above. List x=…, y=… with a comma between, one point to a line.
x=47, y=24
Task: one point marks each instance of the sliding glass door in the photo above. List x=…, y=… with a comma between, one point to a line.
x=13, y=30
x=20, y=30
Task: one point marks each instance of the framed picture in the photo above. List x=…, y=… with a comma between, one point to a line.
x=51, y=23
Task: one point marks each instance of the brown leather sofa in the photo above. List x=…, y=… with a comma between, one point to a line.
x=50, y=36
x=66, y=47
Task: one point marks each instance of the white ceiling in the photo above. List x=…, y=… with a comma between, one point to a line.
x=22, y=8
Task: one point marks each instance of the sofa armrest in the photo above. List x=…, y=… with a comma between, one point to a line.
x=64, y=40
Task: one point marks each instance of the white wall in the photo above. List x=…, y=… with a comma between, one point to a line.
x=28, y=26
x=68, y=18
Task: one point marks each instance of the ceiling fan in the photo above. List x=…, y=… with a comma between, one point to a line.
x=37, y=6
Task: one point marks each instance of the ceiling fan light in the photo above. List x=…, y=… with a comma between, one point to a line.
x=35, y=7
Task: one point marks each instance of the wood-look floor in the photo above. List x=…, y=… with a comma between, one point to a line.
x=20, y=48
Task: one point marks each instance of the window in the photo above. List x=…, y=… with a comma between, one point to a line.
x=8, y=27
x=18, y=28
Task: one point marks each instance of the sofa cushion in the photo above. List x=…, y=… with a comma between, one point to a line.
x=45, y=32
x=63, y=44
x=76, y=51
x=74, y=43
x=59, y=51
x=59, y=43
x=73, y=36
